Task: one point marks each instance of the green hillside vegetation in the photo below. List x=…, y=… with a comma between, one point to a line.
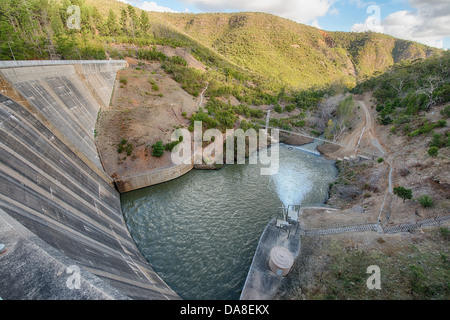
x=266, y=47
x=257, y=58
x=409, y=91
x=373, y=52
x=294, y=54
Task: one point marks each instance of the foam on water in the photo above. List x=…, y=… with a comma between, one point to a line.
x=292, y=182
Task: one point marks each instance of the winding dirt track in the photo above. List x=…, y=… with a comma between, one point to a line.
x=369, y=128
x=362, y=137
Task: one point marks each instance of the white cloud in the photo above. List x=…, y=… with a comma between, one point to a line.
x=429, y=25
x=303, y=11
x=334, y=12
x=153, y=6
x=361, y=3
x=315, y=24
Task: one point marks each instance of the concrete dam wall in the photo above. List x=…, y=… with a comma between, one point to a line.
x=58, y=208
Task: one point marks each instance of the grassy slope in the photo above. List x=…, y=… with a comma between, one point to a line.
x=287, y=52
x=412, y=266
x=293, y=53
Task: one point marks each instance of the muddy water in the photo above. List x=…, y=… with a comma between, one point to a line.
x=200, y=231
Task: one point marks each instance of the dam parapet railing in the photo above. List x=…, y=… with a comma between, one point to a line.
x=35, y=63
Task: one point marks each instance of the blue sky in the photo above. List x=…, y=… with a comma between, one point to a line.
x=425, y=21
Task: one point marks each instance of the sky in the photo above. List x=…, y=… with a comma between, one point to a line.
x=424, y=21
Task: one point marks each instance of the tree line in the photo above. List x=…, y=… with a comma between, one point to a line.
x=39, y=29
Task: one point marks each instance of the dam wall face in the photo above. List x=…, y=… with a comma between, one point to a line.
x=67, y=97
x=53, y=184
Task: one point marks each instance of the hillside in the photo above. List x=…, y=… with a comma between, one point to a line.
x=247, y=63
x=407, y=110
x=408, y=107
x=295, y=54
x=282, y=52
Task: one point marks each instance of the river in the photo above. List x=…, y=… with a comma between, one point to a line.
x=200, y=231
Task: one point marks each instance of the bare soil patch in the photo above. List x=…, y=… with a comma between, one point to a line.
x=147, y=106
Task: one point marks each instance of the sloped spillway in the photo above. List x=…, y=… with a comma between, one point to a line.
x=200, y=232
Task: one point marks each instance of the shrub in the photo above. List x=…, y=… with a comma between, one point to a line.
x=299, y=123
x=445, y=232
x=403, y=119
x=256, y=113
x=169, y=146
x=178, y=60
x=380, y=160
x=438, y=141
x=151, y=55
x=202, y=116
x=123, y=80
x=158, y=149
x=426, y=201
x=226, y=118
x=125, y=146
x=278, y=108
x=403, y=193
x=290, y=107
x=441, y=124
x=386, y=120
x=155, y=87
x=190, y=79
x=244, y=125
x=425, y=128
x=446, y=111
x=433, y=151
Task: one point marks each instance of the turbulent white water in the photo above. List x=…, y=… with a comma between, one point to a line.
x=292, y=183
x=200, y=231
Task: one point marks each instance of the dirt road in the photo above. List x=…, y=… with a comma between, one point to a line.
x=362, y=139
x=369, y=128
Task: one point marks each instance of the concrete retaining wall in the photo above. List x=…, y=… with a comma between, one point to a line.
x=150, y=178
x=59, y=193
